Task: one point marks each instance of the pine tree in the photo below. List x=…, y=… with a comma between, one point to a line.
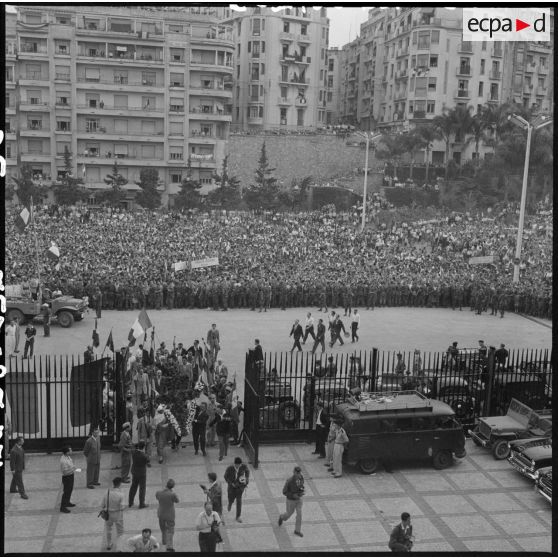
x=149, y=196
x=25, y=186
x=263, y=193
x=189, y=196
x=115, y=180
x=227, y=195
x=68, y=190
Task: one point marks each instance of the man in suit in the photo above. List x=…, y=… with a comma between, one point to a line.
x=214, y=494
x=166, y=514
x=258, y=351
x=321, y=425
x=125, y=446
x=297, y=333
x=17, y=466
x=320, y=336
x=92, y=452
x=139, y=476
x=237, y=477
x=213, y=341
x=401, y=538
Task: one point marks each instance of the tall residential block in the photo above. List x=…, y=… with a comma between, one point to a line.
x=280, y=70
x=146, y=87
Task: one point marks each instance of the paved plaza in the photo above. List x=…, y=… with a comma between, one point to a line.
x=478, y=505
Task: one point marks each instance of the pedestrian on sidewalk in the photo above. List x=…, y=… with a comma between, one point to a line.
x=355, y=324
x=139, y=476
x=67, y=469
x=297, y=333
x=125, y=446
x=113, y=501
x=166, y=514
x=237, y=477
x=30, y=333
x=401, y=538
x=92, y=452
x=294, y=491
x=321, y=425
x=211, y=411
x=214, y=493
x=17, y=466
x=163, y=433
x=341, y=439
x=145, y=542
x=333, y=426
x=208, y=527
x=145, y=431
x=222, y=422
x=199, y=426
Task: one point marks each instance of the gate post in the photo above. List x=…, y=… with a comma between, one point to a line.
x=312, y=400
x=373, y=368
x=48, y=400
x=489, y=384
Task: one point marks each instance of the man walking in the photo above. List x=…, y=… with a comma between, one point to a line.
x=237, y=477
x=139, y=476
x=17, y=466
x=222, y=423
x=294, y=491
x=199, y=426
x=309, y=328
x=296, y=332
x=125, y=446
x=145, y=431
x=355, y=324
x=113, y=501
x=166, y=514
x=401, y=538
x=92, y=452
x=67, y=469
x=30, y=333
x=320, y=336
x=338, y=327
x=213, y=342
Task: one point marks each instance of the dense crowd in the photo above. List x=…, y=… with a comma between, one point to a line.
x=124, y=260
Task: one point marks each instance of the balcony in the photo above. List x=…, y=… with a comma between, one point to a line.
x=35, y=157
x=531, y=67
x=176, y=85
x=33, y=76
x=497, y=51
x=297, y=81
x=202, y=157
x=462, y=94
x=176, y=109
x=210, y=113
x=105, y=107
x=541, y=91
x=255, y=120
x=303, y=39
x=35, y=130
x=283, y=36
x=294, y=59
x=227, y=66
x=528, y=88
x=301, y=102
x=200, y=136
x=62, y=51
x=34, y=105
x=403, y=52
x=123, y=158
x=62, y=77
x=91, y=28
x=465, y=46
x=495, y=74
x=283, y=101
x=463, y=71
x=419, y=114
x=103, y=132
x=29, y=48
x=542, y=69
x=59, y=104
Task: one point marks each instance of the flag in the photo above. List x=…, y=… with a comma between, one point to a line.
x=23, y=219
x=141, y=324
x=95, y=335
x=110, y=342
x=53, y=253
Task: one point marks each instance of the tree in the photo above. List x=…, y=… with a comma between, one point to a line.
x=69, y=189
x=189, y=196
x=149, y=196
x=412, y=142
x=25, y=187
x=477, y=130
x=115, y=180
x=263, y=193
x=295, y=194
x=446, y=124
x=391, y=148
x=428, y=134
x=227, y=195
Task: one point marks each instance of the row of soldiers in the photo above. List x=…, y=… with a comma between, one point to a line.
x=261, y=295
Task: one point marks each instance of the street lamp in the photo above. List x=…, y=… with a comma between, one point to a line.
x=539, y=122
x=367, y=136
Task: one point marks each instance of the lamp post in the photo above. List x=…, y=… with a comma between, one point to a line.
x=538, y=123
x=367, y=137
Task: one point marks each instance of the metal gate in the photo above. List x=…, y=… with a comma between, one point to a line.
x=251, y=411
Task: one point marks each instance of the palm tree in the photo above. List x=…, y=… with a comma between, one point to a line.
x=477, y=130
x=427, y=135
x=391, y=148
x=445, y=124
x=412, y=143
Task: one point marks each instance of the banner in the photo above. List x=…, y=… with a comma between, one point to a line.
x=179, y=266
x=206, y=262
x=481, y=260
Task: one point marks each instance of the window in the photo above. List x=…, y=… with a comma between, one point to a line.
x=148, y=126
x=121, y=101
x=121, y=126
x=175, y=28
x=284, y=73
x=176, y=129
x=176, y=152
x=91, y=124
x=283, y=116
x=92, y=149
x=256, y=49
x=148, y=102
x=330, y=82
x=422, y=60
x=92, y=74
x=462, y=85
x=63, y=125
x=431, y=84
x=493, y=91
x=430, y=107
x=177, y=54
x=254, y=96
x=148, y=78
x=34, y=97
x=483, y=45
x=542, y=61
x=256, y=27
x=482, y=65
x=300, y=117
x=148, y=151
x=255, y=72
x=541, y=82
x=33, y=71
x=435, y=37
x=35, y=124
x=63, y=19
x=120, y=150
x=424, y=39
x=330, y=64
x=35, y=146
x=434, y=61
x=481, y=88
x=253, y=112
x=263, y=69
x=329, y=96
x=92, y=100
x=177, y=80
x=286, y=27
x=33, y=18
x=177, y=104
x=420, y=87
x=176, y=176
x=304, y=29
x=321, y=75
x=62, y=47
x=93, y=173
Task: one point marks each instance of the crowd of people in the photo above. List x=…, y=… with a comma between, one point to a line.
x=124, y=260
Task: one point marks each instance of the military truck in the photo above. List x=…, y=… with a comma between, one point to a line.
x=22, y=305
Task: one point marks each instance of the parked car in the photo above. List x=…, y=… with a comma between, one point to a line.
x=400, y=426
x=519, y=422
x=278, y=408
x=543, y=482
x=529, y=455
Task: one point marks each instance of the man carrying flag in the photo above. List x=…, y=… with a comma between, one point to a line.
x=109, y=343
x=140, y=326
x=23, y=219
x=53, y=254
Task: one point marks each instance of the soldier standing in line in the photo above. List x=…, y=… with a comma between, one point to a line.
x=371, y=298
x=267, y=296
x=261, y=295
x=170, y=295
x=322, y=294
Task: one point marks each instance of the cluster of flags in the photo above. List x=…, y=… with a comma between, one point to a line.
x=139, y=328
x=23, y=220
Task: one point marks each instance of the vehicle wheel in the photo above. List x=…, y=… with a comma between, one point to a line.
x=368, y=466
x=500, y=449
x=289, y=413
x=442, y=460
x=78, y=318
x=476, y=442
x=15, y=313
x=65, y=318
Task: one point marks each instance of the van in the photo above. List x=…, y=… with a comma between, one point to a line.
x=403, y=425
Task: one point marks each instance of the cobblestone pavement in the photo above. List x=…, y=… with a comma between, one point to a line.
x=478, y=505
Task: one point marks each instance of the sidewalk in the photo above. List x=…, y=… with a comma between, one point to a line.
x=479, y=505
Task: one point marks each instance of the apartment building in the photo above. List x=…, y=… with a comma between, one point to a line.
x=411, y=64
x=280, y=77
x=145, y=87
x=333, y=92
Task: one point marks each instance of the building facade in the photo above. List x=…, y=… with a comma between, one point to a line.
x=280, y=70
x=143, y=87
x=410, y=65
x=333, y=99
